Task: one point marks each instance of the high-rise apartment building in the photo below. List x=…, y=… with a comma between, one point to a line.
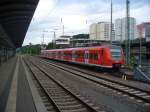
x=121, y=29
x=101, y=31
x=143, y=31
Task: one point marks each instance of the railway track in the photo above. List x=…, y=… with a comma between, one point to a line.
x=105, y=76
x=137, y=93
x=61, y=98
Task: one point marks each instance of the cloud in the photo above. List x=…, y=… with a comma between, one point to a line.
x=141, y=13
x=77, y=15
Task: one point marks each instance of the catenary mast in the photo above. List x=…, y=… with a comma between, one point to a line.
x=128, y=33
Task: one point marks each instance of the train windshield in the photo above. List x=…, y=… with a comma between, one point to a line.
x=116, y=52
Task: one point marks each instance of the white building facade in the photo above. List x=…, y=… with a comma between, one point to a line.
x=121, y=29
x=101, y=31
x=63, y=41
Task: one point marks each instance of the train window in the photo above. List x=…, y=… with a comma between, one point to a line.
x=53, y=54
x=95, y=56
x=58, y=54
x=115, y=52
x=50, y=54
x=67, y=55
x=62, y=54
x=79, y=54
x=75, y=55
x=102, y=52
x=82, y=55
x=91, y=56
x=70, y=55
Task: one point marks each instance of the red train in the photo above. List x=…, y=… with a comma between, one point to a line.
x=105, y=56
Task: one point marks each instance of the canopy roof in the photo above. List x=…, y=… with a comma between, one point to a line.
x=15, y=17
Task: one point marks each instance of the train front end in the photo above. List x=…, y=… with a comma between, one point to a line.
x=117, y=56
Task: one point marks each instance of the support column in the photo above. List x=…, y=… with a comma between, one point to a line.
x=1, y=56
x=5, y=54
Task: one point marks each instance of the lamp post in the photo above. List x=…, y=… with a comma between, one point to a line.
x=43, y=38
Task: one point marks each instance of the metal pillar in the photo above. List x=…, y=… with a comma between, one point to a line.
x=128, y=33
x=13, y=52
x=0, y=56
x=6, y=54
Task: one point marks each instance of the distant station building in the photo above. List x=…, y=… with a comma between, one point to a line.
x=63, y=41
x=121, y=29
x=84, y=42
x=101, y=31
x=143, y=31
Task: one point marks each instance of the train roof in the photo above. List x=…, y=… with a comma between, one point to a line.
x=83, y=48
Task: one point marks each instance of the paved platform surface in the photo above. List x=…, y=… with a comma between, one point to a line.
x=5, y=81
x=15, y=93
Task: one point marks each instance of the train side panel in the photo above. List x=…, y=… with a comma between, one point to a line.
x=103, y=56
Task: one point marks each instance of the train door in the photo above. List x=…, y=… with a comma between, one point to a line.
x=73, y=55
x=62, y=55
x=86, y=56
x=56, y=54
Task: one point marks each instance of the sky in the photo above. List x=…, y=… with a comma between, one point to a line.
x=77, y=15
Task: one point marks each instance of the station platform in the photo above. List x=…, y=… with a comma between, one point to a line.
x=15, y=93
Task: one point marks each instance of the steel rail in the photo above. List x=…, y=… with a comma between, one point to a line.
x=94, y=75
x=92, y=109
x=126, y=89
x=37, y=80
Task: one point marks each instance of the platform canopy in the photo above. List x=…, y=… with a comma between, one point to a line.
x=15, y=17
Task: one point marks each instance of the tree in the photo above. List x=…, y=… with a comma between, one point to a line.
x=30, y=49
x=50, y=45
